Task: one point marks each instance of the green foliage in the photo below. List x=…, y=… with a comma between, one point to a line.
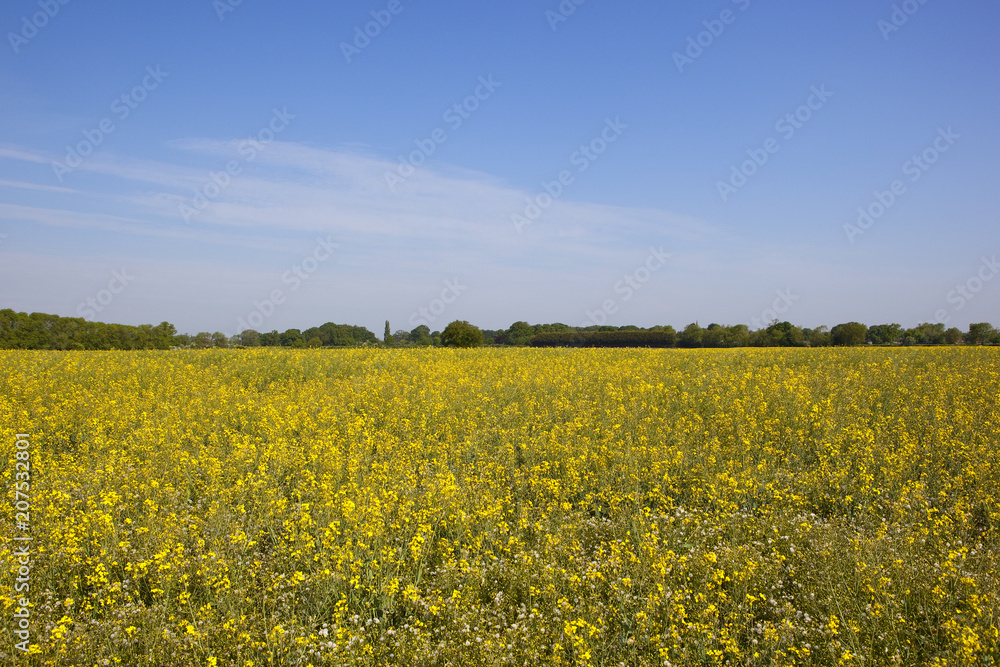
x=818, y=337
x=691, y=336
x=738, y=335
x=851, y=333
x=926, y=333
x=885, y=334
x=627, y=338
x=953, y=336
x=519, y=333
x=421, y=335
x=785, y=334
x=202, y=341
x=982, y=333
x=40, y=331
x=715, y=335
x=329, y=335
x=461, y=334
x=248, y=338
x=291, y=337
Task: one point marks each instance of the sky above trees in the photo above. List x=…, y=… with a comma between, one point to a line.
x=212, y=163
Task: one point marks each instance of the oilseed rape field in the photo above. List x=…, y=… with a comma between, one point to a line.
x=501, y=507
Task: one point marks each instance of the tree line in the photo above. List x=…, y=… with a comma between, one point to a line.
x=777, y=334
x=40, y=331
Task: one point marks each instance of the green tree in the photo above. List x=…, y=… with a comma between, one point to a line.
x=850, y=333
x=344, y=335
x=461, y=334
x=493, y=336
x=316, y=332
x=163, y=335
x=691, y=336
x=668, y=330
x=202, y=340
x=927, y=333
x=715, y=335
x=519, y=333
x=250, y=338
x=953, y=336
x=270, y=339
x=785, y=334
x=885, y=334
x=387, y=336
x=981, y=333
x=738, y=335
x=421, y=335
x=818, y=337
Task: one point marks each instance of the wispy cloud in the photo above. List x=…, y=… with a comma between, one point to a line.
x=291, y=187
x=36, y=186
x=26, y=155
x=441, y=223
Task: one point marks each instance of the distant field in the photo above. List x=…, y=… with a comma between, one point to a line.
x=504, y=507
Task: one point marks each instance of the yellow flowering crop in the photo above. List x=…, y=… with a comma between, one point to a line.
x=506, y=507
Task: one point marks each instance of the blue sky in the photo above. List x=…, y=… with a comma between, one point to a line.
x=243, y=162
